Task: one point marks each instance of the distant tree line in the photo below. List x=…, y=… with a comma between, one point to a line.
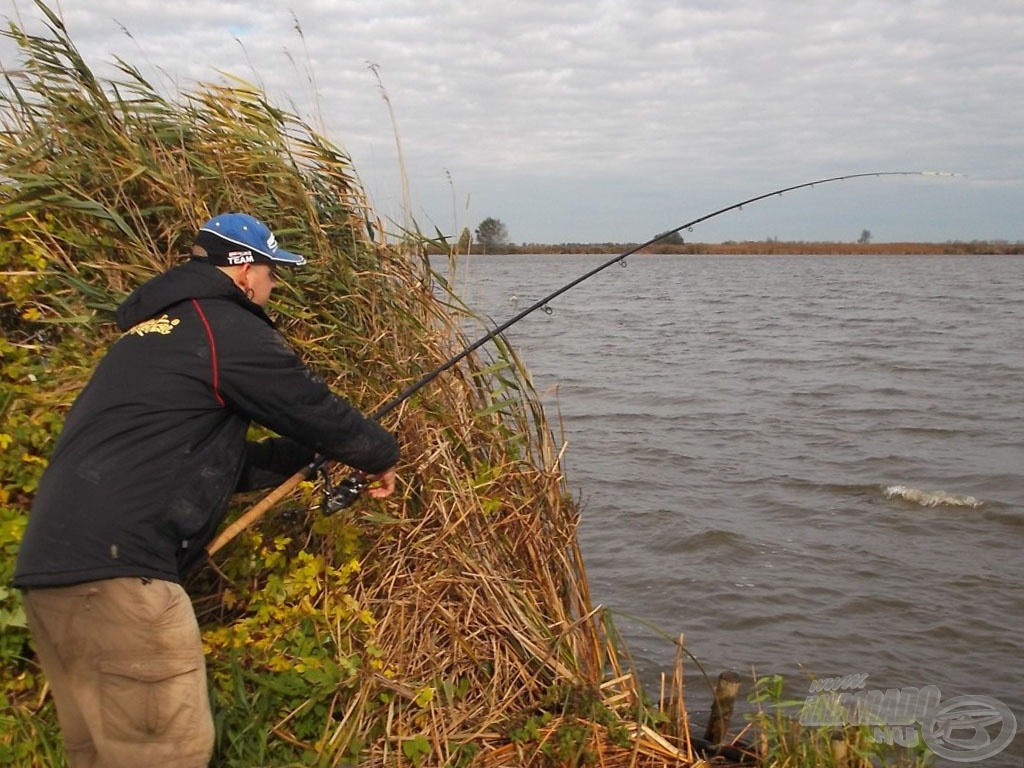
x=790, y=248
x=491, y=236
x=776, y=247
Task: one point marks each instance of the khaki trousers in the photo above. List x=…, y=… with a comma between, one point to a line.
x=125, y=663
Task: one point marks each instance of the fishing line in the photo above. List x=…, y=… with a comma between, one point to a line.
x=345, y=493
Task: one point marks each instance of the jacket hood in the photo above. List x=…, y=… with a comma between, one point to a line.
x=191, y=280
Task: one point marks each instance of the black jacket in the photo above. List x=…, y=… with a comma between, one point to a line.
x=154, y=447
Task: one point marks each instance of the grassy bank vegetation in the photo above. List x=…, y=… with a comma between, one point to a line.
x=450, y=626
x=447, y=627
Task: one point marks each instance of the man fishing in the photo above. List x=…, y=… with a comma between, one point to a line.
x=140, y=479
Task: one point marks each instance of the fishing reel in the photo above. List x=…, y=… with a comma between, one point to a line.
x=344, y=494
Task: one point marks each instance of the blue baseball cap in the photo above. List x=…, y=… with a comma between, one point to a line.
x=237, y=238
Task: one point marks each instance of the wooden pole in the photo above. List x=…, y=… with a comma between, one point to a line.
x=721, y=711
x=840, y=749
x=256, y=511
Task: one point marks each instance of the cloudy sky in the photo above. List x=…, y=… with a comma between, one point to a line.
x=615, y=120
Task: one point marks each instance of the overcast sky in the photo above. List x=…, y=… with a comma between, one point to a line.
x=620, y=119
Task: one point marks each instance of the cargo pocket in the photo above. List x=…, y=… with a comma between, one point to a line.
x=147, y=699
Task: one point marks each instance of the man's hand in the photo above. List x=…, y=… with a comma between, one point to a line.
x=382, y=484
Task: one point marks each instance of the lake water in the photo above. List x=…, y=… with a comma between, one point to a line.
x=811, y=466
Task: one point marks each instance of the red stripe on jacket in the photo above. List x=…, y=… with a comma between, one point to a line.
x=213, y=353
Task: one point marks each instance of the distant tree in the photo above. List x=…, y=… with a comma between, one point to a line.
x=491, y=234
x=865, y=237
x=672, y=238
x=465, y=240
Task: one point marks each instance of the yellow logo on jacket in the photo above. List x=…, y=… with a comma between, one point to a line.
x=162, y=325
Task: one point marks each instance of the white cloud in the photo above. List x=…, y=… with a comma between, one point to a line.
x=616, y=115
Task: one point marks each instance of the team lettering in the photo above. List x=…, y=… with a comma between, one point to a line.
x=240, y=257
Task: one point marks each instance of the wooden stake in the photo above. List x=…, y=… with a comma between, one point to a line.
x=721, y=711
x=840, y=750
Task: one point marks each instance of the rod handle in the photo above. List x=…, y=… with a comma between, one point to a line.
x=258, y=510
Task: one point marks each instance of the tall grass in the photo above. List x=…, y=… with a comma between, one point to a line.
x=782, y=742
x=449, y=626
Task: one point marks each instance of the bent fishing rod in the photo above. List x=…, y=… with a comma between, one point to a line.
x=345, y=493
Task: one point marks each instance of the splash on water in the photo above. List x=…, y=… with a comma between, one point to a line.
x=930, y=498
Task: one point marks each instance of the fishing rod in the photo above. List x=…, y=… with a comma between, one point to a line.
x=346, y=492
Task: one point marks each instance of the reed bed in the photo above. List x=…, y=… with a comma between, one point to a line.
x=449, y=626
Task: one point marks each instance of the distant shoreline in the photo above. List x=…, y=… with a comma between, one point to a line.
x=773, y=247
